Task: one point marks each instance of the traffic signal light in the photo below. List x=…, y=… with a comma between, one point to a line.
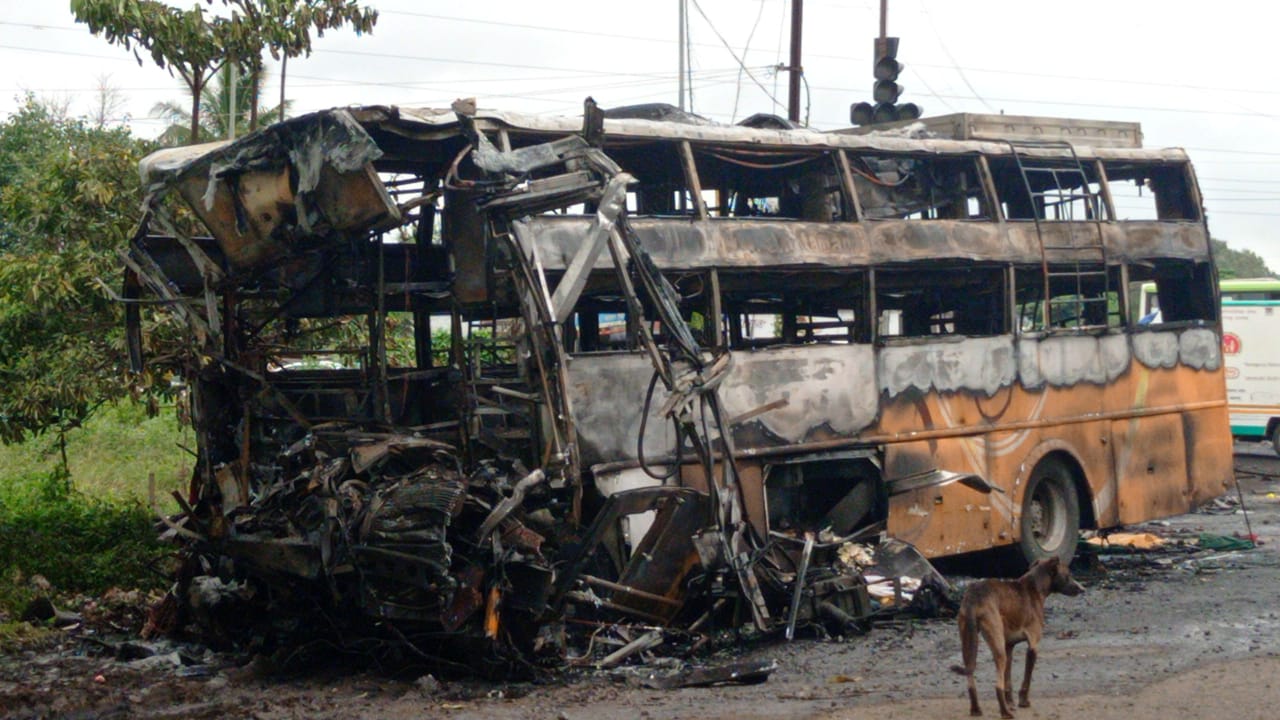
x=861, y=113
x=883, y=113
x=886, y=71
x=908, y=111
x=886, y=91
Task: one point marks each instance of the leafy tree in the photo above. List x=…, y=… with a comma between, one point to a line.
x=283, y=28
x=215, y=110
x=195, y=44
x=1239, y=263
x=182, y=41
x=69, y=197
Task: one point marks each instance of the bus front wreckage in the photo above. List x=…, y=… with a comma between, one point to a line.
x=468, y=387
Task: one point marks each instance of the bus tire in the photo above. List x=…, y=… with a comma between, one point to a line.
x=1275, y=436
x=1050, y=514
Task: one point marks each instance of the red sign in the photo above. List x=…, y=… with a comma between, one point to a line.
x=1230, y=343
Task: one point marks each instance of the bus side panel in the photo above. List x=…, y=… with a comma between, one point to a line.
x=1151, y=460
x=1085, y=446
x=1209, y=454
x=940, y=520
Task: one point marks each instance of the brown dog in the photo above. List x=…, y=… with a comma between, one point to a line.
x=1007, y=612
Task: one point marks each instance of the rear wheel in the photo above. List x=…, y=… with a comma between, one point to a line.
x=1275, y=436
x=1050, y=514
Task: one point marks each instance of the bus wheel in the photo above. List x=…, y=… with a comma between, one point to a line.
x=1275, y=436
x=1050, y=514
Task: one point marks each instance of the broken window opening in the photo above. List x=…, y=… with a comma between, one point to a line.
x=919, y=188
x=1152, y=192
x=838, y=496
x=1080, y=297
x=934, y=301
x=1173, y=292
x=661, y=187
x=603, y=323
x=741, y=183
x=1061, y=189
x=794, y=308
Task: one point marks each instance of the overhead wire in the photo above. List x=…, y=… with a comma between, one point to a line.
x=772, y=95
x=746, y=48
x=741, y=64
x=1065, y=103
x=848, y=58
x=955, y=65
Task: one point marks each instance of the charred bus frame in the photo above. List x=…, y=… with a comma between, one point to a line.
x=683, y=359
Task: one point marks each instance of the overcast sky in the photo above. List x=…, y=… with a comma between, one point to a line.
x=1198, y=75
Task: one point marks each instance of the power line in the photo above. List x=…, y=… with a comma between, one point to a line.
x=1211, y=199
x=742, y=65
x=746, y=48
x=37, y=26
x=710, y=77
x=848, y=58
x=955, y=65
x=844, y=58
x=1238, y=152
x=1063, y=103
x=528, y=26
x=70, y=53
x=482, y=63
x=1240, y=180
x=1261, y=191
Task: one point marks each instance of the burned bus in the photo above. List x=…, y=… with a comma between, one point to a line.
x=472, y=374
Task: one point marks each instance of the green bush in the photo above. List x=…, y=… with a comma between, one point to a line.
x=80, y=544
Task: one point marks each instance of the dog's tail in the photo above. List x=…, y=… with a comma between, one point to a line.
x=959, y=670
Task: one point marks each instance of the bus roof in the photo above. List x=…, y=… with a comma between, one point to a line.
x=1250, y=284
x=434, y=124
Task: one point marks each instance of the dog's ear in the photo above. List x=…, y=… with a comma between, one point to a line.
x=1052, y=562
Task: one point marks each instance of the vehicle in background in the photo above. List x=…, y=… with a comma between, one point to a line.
x=1251, y=353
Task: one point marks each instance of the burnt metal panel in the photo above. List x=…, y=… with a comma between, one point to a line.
x=828, y=389
x=310, y=175
x=780, y=243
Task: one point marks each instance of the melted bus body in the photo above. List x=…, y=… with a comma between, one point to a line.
x=667, y=349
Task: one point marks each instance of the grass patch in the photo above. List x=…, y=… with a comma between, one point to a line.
x=15, y=636
x=93, y=530
x=113, y=455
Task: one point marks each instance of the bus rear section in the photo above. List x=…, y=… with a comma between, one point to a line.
x=1250, y=311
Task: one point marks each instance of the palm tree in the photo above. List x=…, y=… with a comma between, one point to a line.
x=215, y=110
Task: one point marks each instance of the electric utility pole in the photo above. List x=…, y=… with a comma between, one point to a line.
x=793, y=90
x=684, y=46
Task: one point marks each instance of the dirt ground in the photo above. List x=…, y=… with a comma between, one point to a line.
x=1176, y=632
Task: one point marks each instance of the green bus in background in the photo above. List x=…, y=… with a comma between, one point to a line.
x=1251, y=352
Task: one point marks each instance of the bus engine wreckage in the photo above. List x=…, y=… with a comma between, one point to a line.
x=450, y=395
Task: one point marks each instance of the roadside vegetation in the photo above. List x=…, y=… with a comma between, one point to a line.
x=84, y=469
x=93, y=529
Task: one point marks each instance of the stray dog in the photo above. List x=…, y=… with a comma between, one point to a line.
x=1007, y=612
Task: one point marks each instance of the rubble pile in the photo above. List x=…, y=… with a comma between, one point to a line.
x=382, y=537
